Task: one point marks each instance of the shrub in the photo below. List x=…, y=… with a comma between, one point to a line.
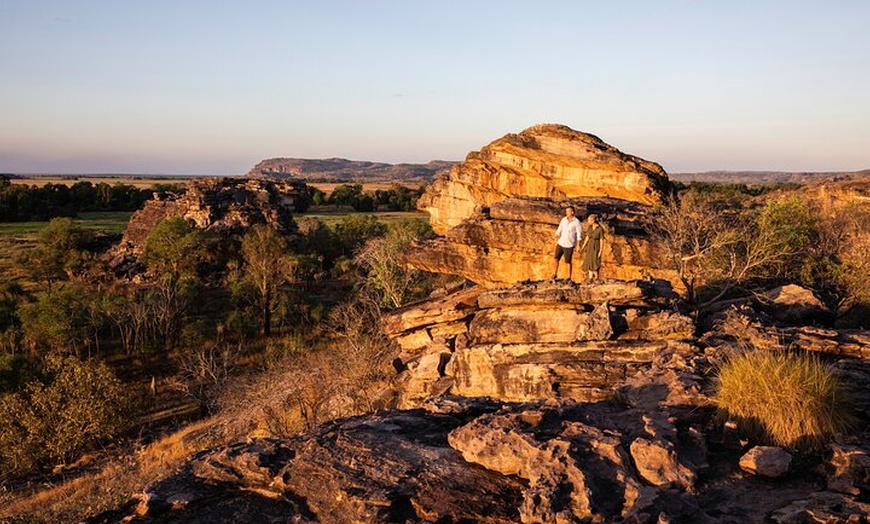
x=77, y=404
x=785, y=399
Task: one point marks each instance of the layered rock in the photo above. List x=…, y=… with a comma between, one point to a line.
x=513, y=241
x=498, y=210
x=548, y=161
x=221, y=205
x=459, y=461
x=534, y=340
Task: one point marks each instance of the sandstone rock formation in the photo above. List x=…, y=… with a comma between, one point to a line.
x=223, y=205
x=547, y=161
x=497, y=211
x=534, y=340
x=461, y=461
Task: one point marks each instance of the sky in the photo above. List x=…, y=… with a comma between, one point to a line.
x=210, y=88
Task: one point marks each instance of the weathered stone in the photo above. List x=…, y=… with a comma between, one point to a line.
x=823, y=507
x=848, y=469
x=498, y=253
x=652, y=294
x=548, y=161
x=743, y=323
x=559, y=488
x=766, y=461
x=634, y=324
x=223, y=205
x=419, y=381
x=519, y=372
x=522, y=325
x=657, y=463
x=792, y=304
x=453, y=307
x=595, y=325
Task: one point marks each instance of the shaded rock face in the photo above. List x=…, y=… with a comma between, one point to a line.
x=549, y=161
x=498, y=210
x=221, y=205
x=534, y=340
x=460, y=461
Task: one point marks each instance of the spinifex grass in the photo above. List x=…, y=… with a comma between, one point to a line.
x=785, y=399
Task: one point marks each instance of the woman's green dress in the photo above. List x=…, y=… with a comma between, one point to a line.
x=591, y=260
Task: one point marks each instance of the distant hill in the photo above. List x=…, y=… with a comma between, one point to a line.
x=340, y=169
x=765, y=177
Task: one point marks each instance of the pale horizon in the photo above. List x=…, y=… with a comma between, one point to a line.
x=195, y=88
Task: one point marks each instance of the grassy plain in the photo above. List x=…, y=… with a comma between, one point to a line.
x=17, y=238
x=330, y=219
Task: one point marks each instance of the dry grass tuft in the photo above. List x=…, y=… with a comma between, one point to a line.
x=785, y=399
x=116, y=482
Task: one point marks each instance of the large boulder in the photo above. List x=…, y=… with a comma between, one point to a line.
x=498, y=210
x=548, y=161
x=534, y=340
x=513, y=241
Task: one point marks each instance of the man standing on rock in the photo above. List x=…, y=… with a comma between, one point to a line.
x=568, y=234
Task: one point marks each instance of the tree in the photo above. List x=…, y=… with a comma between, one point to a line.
x=266, y=266
x=719, y=247
x=351, y=195
x=58, y=254
x=174, y=251
x=385, y=275
x=67, y=319
x=74, y=405
x=175, y=248
x=354, y=230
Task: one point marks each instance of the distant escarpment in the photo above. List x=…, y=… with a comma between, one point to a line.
x=497, y=211
x=340, y=169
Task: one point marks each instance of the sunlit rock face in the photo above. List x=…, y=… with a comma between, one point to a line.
x=546, y=161
x=497, y=211
x=534, y=340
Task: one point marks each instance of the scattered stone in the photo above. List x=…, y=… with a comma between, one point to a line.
x=657, y=463
x=848, y=469
x=766, y=461
x=792, y=304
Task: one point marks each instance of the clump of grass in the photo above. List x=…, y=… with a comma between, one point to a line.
x=789, y=400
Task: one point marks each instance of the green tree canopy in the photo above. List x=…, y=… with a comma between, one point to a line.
x=175, y=248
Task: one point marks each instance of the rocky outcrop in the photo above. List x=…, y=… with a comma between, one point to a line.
x=548, y=161
x=498, y=210
x=534, y=340
x=221, y=205
x=513, y=241
x=458, y=461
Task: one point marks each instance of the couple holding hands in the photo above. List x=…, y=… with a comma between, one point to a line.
x=569, y=234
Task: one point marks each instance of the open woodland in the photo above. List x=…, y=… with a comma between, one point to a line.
x=109, y=382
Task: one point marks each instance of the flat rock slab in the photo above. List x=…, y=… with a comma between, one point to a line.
x=636, y=293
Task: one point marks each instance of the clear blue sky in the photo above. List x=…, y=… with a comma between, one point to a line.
x=206, y=87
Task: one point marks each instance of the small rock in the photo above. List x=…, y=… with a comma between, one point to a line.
x=766, y=461
x=792, y=304
x=850, y=469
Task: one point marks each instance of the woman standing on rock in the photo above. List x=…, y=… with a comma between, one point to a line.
x=593, y=241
